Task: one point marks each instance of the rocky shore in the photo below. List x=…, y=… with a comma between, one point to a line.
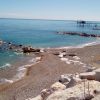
x=53, y=67
x=17, y=48
x=83, y=86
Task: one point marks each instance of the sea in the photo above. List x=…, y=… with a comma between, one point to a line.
x=41, y=34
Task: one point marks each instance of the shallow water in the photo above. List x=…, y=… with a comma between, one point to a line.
x=39, y=33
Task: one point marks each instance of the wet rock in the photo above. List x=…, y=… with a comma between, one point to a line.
x=29, y=50
x=85, y=35
x=79, y=34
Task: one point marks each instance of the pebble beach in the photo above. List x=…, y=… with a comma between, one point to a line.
x=48, y=70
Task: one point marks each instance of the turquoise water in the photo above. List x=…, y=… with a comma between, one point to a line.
x=39, y=33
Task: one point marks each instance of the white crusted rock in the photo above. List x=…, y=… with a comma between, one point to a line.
x=88, y=75
x=58, y=86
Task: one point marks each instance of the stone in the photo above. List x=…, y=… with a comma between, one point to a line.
x=73, y=81
x=45, y=93
x=1, y=42
x=29, y=49
x=88, y=75
x=72, y=55
x=64, y=78
x=97, y=76
x=56, y=53
x=58, y=86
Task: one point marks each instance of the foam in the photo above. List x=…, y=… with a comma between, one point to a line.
x=6, y=65
x=21, y=72
x=97, y=41
x=4, y=80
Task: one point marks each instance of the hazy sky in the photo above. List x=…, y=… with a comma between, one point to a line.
x=51, y=9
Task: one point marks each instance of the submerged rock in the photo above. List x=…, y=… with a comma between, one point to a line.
x=79, y=34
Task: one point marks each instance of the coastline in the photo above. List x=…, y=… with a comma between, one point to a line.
x=22, y=70
x=48, y=70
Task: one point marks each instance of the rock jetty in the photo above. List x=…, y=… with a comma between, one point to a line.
x=79, y=34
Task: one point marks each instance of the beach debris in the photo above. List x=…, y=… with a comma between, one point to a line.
x=88, y=75
x=58, y=86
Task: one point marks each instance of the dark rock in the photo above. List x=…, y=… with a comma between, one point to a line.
x=29, y=50
x=85, y=35
x=56, y=53
x=79, y=34
x=72, y=55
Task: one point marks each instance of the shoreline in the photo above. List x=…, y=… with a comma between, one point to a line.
x=22, y=70
x=48, y=70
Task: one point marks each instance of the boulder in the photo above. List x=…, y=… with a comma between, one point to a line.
x=88, y=75
x=58, y=86
x=73, y=81
x=64, y=78
x=97, y=76
x=45, y=93
x=29, y=49
x=90, y=69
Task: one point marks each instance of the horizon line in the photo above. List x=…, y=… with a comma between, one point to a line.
x=48, y=19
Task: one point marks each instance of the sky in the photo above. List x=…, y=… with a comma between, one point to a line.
x=51, y=9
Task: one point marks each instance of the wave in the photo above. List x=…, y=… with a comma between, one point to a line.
x=6, y=65
x=96, y=42
x=21, y=71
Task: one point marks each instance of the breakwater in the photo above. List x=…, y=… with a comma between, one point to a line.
x=79, y=34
